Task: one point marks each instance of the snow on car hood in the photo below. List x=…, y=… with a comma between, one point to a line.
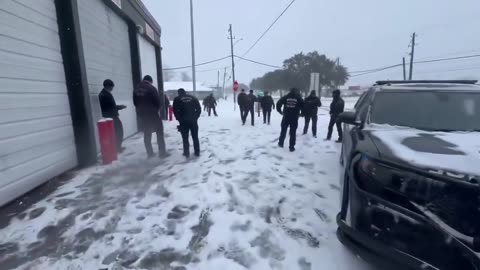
x=454, y=152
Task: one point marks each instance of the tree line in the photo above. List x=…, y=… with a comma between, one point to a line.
x=296, y=73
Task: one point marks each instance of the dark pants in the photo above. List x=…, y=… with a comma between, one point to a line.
x=333, y=121
x=252, y=114
x=266, y=116
x=210, y=111
x=314, y=119
x=147, y=140
x=242, y=114
x=291, y=123
x=185, y=129
x=118, y=126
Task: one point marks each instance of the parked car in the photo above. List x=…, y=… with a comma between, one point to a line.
x=411, y=159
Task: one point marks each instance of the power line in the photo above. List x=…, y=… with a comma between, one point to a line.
x=448, y=59
x=448, y=70
x=212, y=69
x=376, y=69
x=268, y=29
x=201, y=64
x=369, y=71
x=451, y=54
x=256, y=62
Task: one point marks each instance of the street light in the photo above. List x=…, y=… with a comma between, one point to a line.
x=193, y=49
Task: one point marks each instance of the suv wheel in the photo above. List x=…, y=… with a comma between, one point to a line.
x=346, y=213
x=341, y=157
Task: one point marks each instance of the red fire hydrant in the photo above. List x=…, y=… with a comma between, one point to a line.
x=106, y=134
x=170, y=113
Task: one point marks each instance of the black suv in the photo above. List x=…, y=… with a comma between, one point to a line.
x=411, y=180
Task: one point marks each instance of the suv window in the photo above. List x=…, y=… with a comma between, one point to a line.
x=360, y=100
x=428, y=110
x=361, y=108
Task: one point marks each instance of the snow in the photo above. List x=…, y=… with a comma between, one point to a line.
x=244, y=204
x=460, y=142
x=103, y=120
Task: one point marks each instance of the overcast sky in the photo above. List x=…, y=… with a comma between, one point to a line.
x=365, y=34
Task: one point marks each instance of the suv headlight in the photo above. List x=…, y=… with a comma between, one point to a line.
x=384, y=178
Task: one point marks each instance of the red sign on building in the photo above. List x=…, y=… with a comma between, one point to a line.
x=149, y=31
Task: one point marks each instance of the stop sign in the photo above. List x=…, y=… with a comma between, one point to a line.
x=235, y=86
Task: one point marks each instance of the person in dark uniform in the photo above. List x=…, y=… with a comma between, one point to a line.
x=187, y=110
x=147, y=103
x=110, y=110
x=204, y=103
x=242, y=104
x=211, y=105
x=336, y=108
x=250, y=107
x=292, y=105
x=267, y=105
x=310, y=112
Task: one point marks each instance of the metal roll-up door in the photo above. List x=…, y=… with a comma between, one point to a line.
x=36, y=134
x=148, y=59
x=106, y=48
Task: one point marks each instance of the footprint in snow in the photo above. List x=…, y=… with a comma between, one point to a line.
x=312, y=241
x=322, y=215
x=304, y=264
x=178, y=212
x=334, y=187
x=318, y=194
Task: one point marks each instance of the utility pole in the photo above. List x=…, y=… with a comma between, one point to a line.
x=404, y=70
x=193, y=50
x=233, y=65
x=412, y=54
x=224, y=77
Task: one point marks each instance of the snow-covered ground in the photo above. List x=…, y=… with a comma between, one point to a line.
x=244, y=204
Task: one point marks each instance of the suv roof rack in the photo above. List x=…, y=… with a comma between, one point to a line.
x=427, y=81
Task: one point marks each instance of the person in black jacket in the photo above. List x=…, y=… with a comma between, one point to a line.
x=110, y=110
x=250, y=107
x=310, y=111
x=292, y=105
x=211, y=104
x=242, y=103
x=187, y=110
x=204, y=103
x=147, y=103
x=336, y=108
x=267, y=104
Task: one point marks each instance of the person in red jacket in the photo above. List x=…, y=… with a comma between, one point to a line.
x=147, y=104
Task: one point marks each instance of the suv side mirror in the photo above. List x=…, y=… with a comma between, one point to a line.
x=348, y=118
